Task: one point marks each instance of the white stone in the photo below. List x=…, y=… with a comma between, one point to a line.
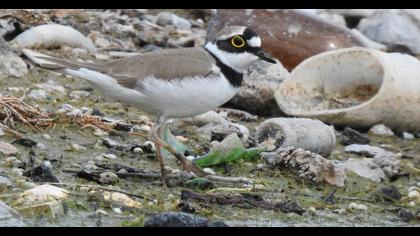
x=41, y=146
x=46, y=136
x=138, y=150
x=355, y=206
x=408, y=136
x=381, y=130
x=109, y=156
x=44, y=193
x=209, y=171
x=78, y=148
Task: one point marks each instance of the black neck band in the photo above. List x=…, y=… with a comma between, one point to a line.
x=235, y=78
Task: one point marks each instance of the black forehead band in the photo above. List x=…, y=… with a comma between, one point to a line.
x=248, y=34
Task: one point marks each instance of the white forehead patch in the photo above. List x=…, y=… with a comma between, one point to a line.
x=232, y=32
x=254, y=41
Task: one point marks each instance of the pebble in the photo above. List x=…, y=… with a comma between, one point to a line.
x=37, y=94
x=312, y=209
x=78, y=148
x=142, y=128
x=108, y=177
x=412, y=203
x=182, y=139
x=149, y=146
x=109, y=156
x=209, y=171
x=414, y=194
x=137, y=150
x=41, y=146
x=78, y=94
x=381, y=130
x=7, y=149
x=355, y=206
x=1, y=132
x=121, y=200
x=190, y=157
x=75, y=112
x=117, y=210
x=90, y=167
x=99, y=132
x=51, y=86
x=408, y=136
x=46, y=136
x=109, y=143
x=166, y=18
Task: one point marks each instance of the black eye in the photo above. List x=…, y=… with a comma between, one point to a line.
x=237, y=42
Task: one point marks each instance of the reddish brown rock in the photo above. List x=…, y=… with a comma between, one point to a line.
x=289, y=35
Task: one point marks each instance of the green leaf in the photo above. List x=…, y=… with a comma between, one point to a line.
x=216, y=158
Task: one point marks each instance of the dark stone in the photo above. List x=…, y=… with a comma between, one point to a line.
x=388, y=194
x=351, y=136
x=41, y=174
x=25, y=142
x=180, y=219
x=405, y=215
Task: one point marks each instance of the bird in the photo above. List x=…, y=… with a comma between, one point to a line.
x=171, y=83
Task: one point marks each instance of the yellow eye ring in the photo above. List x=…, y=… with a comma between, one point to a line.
x=237, y=42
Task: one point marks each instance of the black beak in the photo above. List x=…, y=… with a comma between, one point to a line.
x=265, y=56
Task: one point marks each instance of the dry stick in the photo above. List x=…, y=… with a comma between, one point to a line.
x=99, y=187
x=242, y=201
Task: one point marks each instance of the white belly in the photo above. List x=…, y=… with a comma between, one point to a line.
x=171, y=98
x=186, y=97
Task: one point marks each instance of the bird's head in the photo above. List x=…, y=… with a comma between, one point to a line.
x=238, y=47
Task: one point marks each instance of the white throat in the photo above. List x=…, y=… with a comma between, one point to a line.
x=238, y=61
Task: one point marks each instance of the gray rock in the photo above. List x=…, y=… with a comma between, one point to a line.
x=367, y=150
x=180, y=219
x=51, y=86
x=9, y=217
x=364, y=168
x=230, y=142
x=351, y=136
x=7, y=149
x=388, y=161
x=166, y=18
x=256, y=94
x=395, y=28
x=108, y=177
x=10, y=63
x=388, y=193
x=37, y=94
x=6, y=27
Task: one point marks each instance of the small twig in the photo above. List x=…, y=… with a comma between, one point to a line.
x=241, y=180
